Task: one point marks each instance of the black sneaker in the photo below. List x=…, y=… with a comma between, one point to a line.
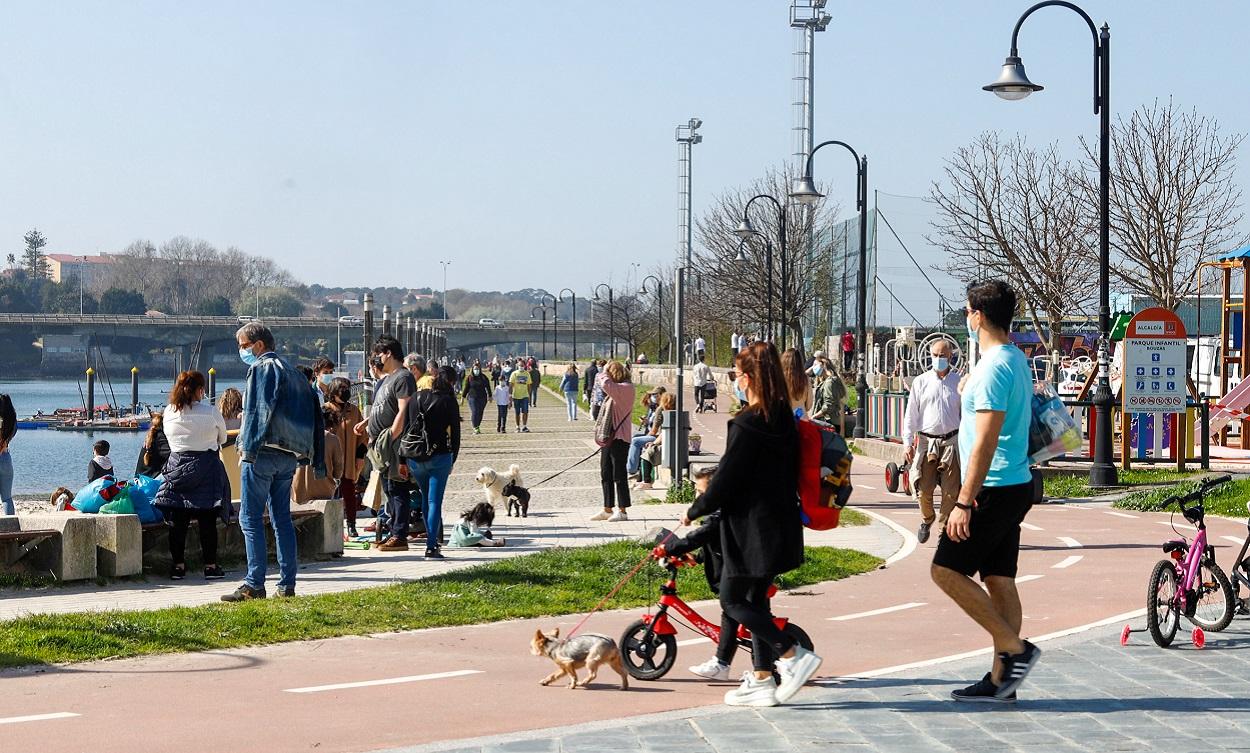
x=434, y=554
x=214, y=573
x=178, y=572
x=244, y=593
x=1016, y=667
x=984, y=691
x=922, y=534
x=286, y=593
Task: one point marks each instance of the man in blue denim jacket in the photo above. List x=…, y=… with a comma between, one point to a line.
x=282, y=428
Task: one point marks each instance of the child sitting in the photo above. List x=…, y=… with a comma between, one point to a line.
x=101, y=465
x=474, y=527
x=707, y=538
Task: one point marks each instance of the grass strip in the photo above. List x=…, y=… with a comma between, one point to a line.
x=553, y=383
x=553, y=582
x=1076, y=485
x=1228, y=499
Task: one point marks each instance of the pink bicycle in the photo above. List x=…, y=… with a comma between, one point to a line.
x=1189, y=583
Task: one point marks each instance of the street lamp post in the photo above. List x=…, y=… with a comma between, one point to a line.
x=82, y=268
x=555, y=323
x=659, y=314
x=445, y=264
x=741, y=258
x=543, y=308
x=805, y=192
x=611, y=314
x=1014, y=84
x=573, y=318
x=745, y=230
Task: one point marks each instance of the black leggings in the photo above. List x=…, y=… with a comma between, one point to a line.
x=206, y=522
x=612, y=474
x=746, y=600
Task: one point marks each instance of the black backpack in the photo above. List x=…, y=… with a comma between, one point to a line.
x=8, y=418
x=415, y=442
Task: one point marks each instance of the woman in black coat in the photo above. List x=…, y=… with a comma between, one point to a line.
x=477, y=389
x=755, y=489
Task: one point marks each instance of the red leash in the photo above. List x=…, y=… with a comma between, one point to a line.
x=620, y=584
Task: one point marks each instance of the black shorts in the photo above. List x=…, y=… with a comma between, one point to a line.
x=993, y=544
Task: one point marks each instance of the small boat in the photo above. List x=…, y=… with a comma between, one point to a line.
x=103, y=425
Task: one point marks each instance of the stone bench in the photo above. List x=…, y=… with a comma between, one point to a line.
x=60, y=544
x=318, y=534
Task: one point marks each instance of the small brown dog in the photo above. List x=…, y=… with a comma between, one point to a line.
x=590, y=650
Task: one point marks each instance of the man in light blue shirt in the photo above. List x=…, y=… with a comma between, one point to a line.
x=982, y=533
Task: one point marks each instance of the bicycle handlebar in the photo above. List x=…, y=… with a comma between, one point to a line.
x=1204, y=486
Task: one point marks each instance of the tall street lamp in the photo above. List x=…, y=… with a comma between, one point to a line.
x=82, y=268
x=573, y=318
x=741, y=258
x=1013, y=84
x=805, y=192
x=611, y=314
x=543, y=308
x=659, y=311
x=745, y=230
x=445, y=264
x=555, y=323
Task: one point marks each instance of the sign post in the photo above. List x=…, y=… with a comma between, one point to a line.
x=1154, y=375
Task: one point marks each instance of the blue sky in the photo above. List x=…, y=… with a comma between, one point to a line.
x=531, y=143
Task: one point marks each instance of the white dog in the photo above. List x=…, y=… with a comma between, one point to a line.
x=493, y=483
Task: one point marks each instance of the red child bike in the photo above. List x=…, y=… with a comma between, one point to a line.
x=649, y=645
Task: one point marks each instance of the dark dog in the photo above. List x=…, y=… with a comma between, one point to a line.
x=588, y=650
x=518, y=498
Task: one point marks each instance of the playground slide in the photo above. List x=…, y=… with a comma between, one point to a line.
x=1231, y=407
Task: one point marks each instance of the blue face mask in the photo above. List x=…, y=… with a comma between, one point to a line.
x=972, y=333
x=248, y=357
x=940, y=363
x=816, y=369
x=326, y=379
x=738, y=393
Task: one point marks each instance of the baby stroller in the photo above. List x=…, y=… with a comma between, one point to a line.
x=707, y=398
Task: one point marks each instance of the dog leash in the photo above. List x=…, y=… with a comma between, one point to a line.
x=620, y=584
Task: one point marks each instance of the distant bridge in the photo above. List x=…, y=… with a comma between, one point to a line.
x=181, y=330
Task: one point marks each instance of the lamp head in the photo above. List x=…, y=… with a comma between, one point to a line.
x=745, y=229
x=1013, y=83
x=741, y=258
x=805, y=192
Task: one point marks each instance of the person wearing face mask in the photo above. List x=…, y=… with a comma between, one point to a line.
x=323, y=375
x=194, y=486
x=346, y=415
x=930, y=431
x=282, y=428
x=477, y=391
x=828, y=394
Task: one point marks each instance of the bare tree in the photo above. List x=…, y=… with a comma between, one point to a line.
x=1007, y=210
x=1173, y=200
x=743, y=288
x=633, y=318
x=184, y=273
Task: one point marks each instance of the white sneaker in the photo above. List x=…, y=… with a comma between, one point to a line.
x=753, y=692
x=618, y=516
x=605, y=515
x=711, y=669
x=795, y=672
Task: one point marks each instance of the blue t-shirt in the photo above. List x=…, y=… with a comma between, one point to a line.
x=1001, y=381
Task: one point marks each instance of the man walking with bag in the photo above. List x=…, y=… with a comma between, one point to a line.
x=282, y=427
x=930, y=426
x=982, y=534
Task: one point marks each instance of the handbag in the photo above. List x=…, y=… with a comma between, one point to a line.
x=1052, y=430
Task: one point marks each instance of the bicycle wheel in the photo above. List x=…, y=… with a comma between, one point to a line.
x=1162, y=616
x=1213, y=599
x=647, y=659
x=799, y=635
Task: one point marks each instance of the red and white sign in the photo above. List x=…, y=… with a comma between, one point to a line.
x=1155, y=363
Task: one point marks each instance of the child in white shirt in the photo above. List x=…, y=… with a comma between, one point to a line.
x=503, y=398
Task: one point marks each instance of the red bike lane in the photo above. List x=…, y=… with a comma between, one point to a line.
x=1079, y=565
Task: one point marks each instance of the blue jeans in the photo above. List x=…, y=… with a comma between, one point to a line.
x=635, y=451
x=476, y=406
x=570, y=397
x=431, y=478
x=6, y=482
x=266, y=484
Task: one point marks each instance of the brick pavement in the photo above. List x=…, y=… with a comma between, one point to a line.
x=1087, y=694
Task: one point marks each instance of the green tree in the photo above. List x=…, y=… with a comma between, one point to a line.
x=122, y=301
x=14, y=298
x=273, y=302
x=216, y=306
x=63, y=298
x=33, y=259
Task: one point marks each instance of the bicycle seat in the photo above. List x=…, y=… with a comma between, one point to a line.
x=1175, y=545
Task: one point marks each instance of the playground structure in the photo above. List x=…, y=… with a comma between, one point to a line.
x=1232, y=357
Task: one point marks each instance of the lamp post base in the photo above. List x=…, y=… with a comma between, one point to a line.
x=1103, y=475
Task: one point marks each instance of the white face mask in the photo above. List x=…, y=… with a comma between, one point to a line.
x=940, y=363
